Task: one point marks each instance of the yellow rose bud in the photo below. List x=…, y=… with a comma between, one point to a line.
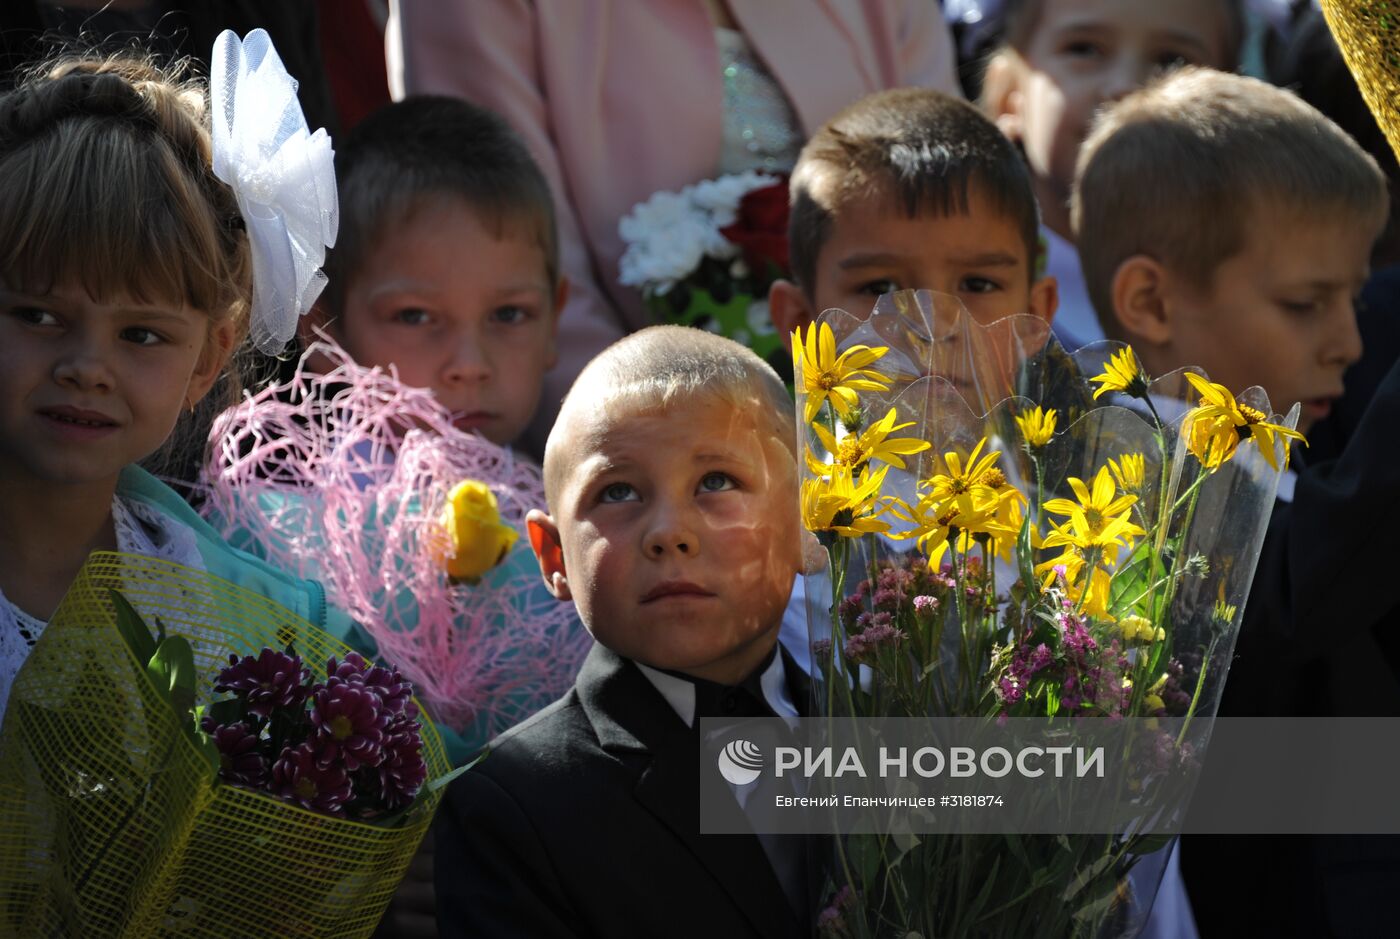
x=478, y=539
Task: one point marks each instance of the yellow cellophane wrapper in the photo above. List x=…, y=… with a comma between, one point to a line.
x=113, y=824
x=1368, y=33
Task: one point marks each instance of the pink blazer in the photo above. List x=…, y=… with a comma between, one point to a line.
x=620, y=98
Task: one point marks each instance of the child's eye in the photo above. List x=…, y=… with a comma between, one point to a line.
x=1299, y=307
x=33, y=316
x=412, y=316
x=978, y=285
x=510, y=315
x=1171, y=61
x=618, y=492
x=717, y=482
x=1083, y=49
x=878, y=288
x=141, y=336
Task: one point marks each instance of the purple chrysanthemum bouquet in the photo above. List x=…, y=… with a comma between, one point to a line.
x=1021, y=536
x=348, y=746
x=165, y=770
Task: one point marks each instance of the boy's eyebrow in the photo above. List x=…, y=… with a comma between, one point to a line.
x=886, y=259
x=986, y=259
x=876, y=259
x=1089, y=24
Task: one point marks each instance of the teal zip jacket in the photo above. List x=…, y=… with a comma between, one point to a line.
x=306, y=598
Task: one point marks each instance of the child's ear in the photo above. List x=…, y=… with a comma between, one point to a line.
x=544, y=539
x=788, y=308
x=1001, y=93
x=217, y=350
x=1044, y=300
x=1140, y=288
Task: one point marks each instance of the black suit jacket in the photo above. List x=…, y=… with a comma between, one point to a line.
x=1321, y=636
x=584, y=821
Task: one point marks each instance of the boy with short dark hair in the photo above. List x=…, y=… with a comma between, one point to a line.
x=1226, y=224
x=673, y=527
x=447, y=261
x=911, y=189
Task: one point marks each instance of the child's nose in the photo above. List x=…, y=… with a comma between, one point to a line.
x=670, y=532
x=1344, y=335
x=467, y=364
x=1127, y=74
x=83, y=366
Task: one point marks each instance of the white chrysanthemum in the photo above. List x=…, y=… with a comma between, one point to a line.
x=672, y=232
x=666, y=256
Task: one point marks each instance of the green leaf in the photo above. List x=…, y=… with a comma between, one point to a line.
x=171, y=669
x=1088, y=876
x=1024, y=557
x=435, y=784
x=133, y=628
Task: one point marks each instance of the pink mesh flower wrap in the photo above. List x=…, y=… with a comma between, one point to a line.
x=342, y=477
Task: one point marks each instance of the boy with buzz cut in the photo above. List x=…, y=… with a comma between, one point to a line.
x=1224, y=223
x=673, y=526
x=911, y=189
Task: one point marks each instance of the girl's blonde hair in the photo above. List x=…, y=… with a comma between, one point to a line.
x=106, y=182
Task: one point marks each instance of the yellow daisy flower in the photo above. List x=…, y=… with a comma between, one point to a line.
x=1215, y=428
x=1122, y=373
x=1037, y=426
x=873, y=443
x=1100, y=519
x=844, y=503
x=971, y=477
x=1129, y=470
x=937, y=521
x=1094, y=595
x=826, y=375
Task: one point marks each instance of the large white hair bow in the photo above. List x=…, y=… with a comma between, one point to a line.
x=283, y=176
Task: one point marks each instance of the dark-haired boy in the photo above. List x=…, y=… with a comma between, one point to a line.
x=447, y=262
x=911, y=189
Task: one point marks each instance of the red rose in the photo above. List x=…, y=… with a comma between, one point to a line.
x=760, y=230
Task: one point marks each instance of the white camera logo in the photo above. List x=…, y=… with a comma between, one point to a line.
x=740, y=763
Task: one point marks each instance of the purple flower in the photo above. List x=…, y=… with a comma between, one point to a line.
x=403, y=772
x=850, y=608
x=1075, y=637
x=925, y=605
x=866, y=645
x=353, y=668
x=299, y=777
x=272, y=680
x=349, y=720
x=886, y=600
x=881, y=621
x=239, y=758
x=395, y=694
x=821, y=649
x=1039, y=658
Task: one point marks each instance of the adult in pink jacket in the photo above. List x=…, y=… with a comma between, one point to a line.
x=618, y=99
